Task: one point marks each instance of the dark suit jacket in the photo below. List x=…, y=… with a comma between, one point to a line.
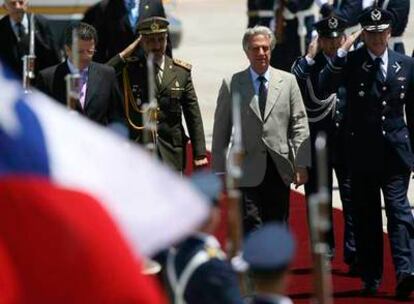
x=12, y=50
x=103, y=98
x=110, y=18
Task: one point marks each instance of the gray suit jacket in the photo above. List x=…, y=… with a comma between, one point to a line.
x=284, y=133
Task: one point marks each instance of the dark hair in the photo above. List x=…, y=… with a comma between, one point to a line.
x=85, y=32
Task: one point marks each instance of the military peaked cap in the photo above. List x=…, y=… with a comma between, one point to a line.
x=375, y=19
x=153, y=25
x=331, y=27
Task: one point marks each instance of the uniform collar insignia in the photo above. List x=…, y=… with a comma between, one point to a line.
x=366, y=67
x=397, y=67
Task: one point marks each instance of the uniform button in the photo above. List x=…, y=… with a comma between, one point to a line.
x=384, y=103
x=383, y=132
x=362, y=84
x=383, y=118
x=337, y=112
x=352, y=133
x=384, y=88
x=337, y=124
x=406, y=136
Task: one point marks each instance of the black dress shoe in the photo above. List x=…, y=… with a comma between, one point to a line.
x=353, y=270
x=405, y=286
x=369, y=291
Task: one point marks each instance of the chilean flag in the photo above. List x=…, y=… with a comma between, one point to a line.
x=79, y=206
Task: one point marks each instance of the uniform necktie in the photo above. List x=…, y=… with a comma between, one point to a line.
x=158, y=75
x=377, y=67
x=262, y=95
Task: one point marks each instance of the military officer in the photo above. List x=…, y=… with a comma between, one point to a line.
x=380, y=123
x=399, y=10
x=267, y=253
x=174, y=93
x=196, y=270
x=325, y=115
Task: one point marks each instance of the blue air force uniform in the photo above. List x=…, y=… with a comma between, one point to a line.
x=380, y=149
x=326, y=115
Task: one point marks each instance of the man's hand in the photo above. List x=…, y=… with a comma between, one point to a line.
x=313, y=48
x=200, y=162
x=130, y=48
x=350, y=40
x=301, y=177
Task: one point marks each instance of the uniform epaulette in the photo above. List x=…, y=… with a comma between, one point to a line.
x=183, y=64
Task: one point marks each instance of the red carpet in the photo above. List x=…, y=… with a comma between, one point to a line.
x=345, y=288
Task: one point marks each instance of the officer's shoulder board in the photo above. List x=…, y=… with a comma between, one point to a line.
x=182, y=64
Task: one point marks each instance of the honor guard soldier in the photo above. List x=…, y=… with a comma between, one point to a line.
x=325, y=115
x=267, y=253
x=293, y=29
x=380, y=135
x=260, y=12
x=174, y=93
x=196, y=271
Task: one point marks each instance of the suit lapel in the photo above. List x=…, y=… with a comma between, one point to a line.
x=273, y=91
x=246, y=89
x=93, y=78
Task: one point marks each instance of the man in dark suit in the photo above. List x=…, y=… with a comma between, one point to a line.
x=380, y=139
x=100, y=98
x=175, y=96
x=14, y=32
x=325, y=115
x=116, y=22
x=260, y=12
x=268, y=252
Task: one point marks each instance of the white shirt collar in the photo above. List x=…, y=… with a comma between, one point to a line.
x=24, y=22
x=275, y=298
x=72, y=68
x=254, y=75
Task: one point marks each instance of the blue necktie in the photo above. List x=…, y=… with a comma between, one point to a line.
x=262, y=95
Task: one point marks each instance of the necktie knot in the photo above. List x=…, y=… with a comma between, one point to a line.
x=261, y=79
x=20, y=29
x=378, y=61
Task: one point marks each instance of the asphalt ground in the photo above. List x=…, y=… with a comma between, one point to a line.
x=211, y=42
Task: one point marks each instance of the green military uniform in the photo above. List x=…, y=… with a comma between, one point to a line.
x=175, y=95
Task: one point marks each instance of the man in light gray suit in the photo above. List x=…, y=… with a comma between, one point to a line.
x=275, y=133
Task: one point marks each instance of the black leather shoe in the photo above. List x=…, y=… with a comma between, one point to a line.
x=405, y=286
x=369, y=291
x=353, y=270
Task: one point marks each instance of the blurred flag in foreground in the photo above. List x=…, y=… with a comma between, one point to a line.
x=79, y=205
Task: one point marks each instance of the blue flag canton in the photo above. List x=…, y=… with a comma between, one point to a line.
x=25, y=151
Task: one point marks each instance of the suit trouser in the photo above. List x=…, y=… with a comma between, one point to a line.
x=269, y=201
x=393, y=180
